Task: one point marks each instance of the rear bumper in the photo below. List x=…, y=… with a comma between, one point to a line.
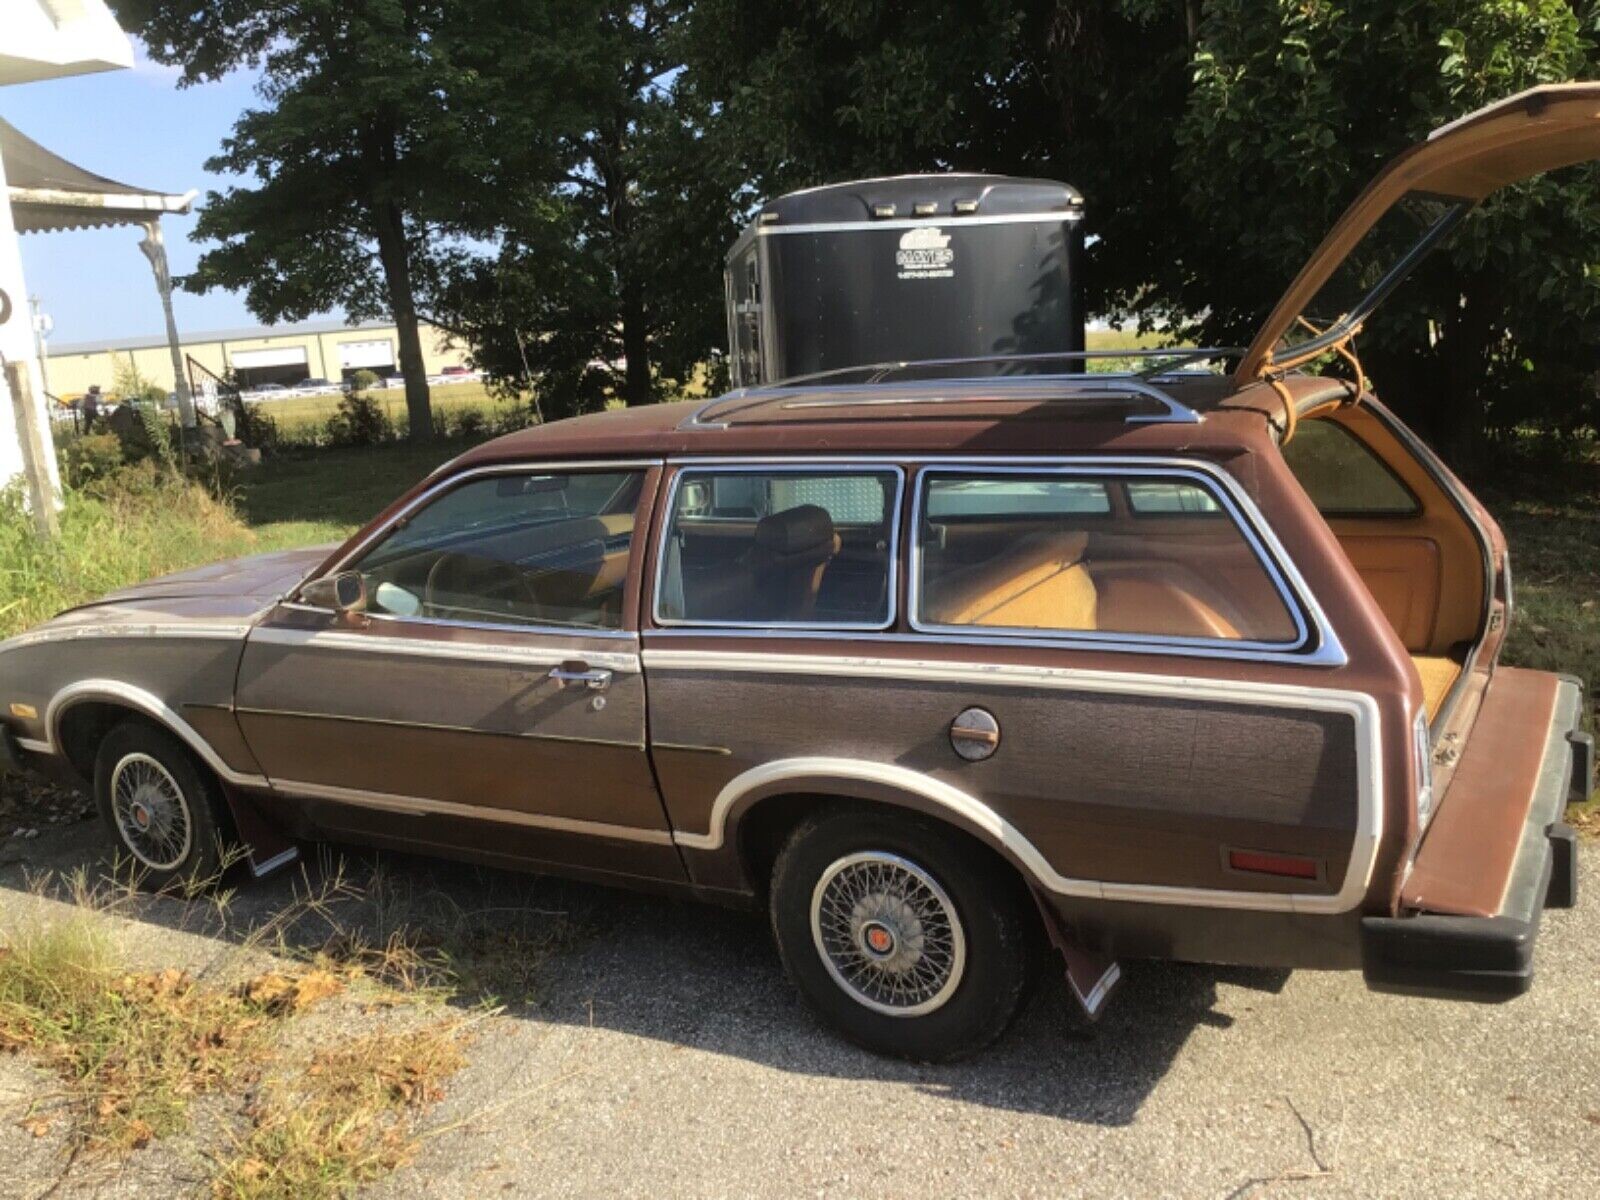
x=1490, y=958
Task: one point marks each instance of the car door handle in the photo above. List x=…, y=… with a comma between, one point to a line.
x=571, y=675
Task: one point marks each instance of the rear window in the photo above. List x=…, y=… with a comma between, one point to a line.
x=1343, y=476
x=1091, y=555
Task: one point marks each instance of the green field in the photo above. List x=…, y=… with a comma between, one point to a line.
x=302, y=419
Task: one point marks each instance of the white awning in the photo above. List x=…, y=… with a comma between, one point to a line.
x=46, y=39
x=48, y=192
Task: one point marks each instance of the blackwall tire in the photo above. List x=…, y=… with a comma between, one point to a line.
x=161, y=807
x=901, y=934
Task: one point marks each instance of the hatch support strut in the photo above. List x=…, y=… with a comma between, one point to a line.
x=1345, y=348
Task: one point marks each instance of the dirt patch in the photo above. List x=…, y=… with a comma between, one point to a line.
x=29, y=807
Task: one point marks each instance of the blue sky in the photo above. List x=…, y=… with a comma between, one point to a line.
x=136, y=127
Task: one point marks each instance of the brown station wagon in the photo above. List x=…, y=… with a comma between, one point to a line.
x=936, y=660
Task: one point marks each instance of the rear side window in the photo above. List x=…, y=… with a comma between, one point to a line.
x=1342, y=475
x=1161, y=557
x=771, y=547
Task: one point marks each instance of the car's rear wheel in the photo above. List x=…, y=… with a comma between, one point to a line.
x=902, y=934
x=160, y=805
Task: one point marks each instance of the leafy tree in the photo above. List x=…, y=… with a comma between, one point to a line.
x=612, y=213
x=358, y=164
x=1216, y=141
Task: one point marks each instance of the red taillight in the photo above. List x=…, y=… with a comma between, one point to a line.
x=1261, y=863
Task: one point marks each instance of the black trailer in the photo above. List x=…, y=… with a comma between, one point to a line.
x=909, y=268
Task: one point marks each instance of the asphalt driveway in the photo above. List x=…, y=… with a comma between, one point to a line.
x=665, y=1055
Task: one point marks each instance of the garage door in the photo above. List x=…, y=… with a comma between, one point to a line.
x=283, y=356
x=280, y=364
x=367, y=356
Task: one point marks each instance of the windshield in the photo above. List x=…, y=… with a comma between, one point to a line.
x=1377, y=264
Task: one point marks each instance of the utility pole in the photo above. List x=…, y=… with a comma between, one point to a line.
x=156, y=251
x=35, y=470
x=42, y=325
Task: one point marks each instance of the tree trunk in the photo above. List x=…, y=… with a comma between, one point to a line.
x=395, y=258
x=637, y=387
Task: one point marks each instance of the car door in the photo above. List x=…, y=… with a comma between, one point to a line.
x=490, y=696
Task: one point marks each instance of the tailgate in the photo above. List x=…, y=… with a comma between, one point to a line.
x=1520, y=767
x=1497, y=853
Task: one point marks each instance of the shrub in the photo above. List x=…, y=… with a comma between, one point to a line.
x=360, y=421
x=253, y=426
x=363, y=380
x=89, y=460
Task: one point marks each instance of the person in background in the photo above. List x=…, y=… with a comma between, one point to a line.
x=91, y=407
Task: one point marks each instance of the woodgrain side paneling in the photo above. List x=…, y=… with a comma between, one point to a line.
x=1108, y=787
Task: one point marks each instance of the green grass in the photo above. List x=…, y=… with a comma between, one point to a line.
x=1549, y=506
x=1548, y=503
x=130, y=528
x=321, y=495
x=140, y=523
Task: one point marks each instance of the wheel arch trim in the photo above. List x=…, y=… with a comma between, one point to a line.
x=127, y=695
x=846, y=777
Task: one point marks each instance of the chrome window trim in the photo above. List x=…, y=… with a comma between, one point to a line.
x=218, y=631
x=1292, y=590
x=805, y=466
x=626, y=662
x=1361, y=708
x=291, y=599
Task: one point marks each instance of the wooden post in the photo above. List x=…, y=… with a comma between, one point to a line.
x=35, y=466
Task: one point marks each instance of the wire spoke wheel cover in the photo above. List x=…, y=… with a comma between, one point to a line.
x=151, y=813
x=888, y=934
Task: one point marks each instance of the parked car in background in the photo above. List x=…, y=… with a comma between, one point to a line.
x=315, y=386
x=267, y=391
x=936, y=662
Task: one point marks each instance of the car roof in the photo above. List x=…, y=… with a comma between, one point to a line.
x=1210, y=417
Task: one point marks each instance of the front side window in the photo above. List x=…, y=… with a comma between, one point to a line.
x=538, y=548
x=766, y=547
x=1141, y=555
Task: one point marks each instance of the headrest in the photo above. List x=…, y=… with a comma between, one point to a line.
x=798, y=530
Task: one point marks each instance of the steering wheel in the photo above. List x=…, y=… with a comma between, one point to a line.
x=464, y=575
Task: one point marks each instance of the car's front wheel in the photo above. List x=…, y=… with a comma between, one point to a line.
x=902, y=934
x=160, y=806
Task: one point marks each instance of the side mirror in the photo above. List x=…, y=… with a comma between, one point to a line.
x=345, y=593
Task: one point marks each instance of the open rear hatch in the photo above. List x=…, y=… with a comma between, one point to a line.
x=1496, y=854
x=1411, y=207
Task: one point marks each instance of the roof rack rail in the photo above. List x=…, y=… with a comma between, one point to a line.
x=1167, y=358
x=1023, y=379
x=1046, y=389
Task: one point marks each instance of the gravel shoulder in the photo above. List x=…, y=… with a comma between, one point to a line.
x=663, y=1053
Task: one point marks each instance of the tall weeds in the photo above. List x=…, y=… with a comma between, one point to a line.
x=140, y=522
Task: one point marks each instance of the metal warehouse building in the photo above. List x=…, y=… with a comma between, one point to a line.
x=285, y=354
